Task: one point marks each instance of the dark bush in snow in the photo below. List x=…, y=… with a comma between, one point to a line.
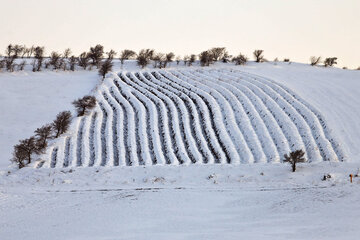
x=286, y=59
x=191, y=59
x=258, y=54
x=42, y=135
x=55, y=60
x=295, y=157
x=82, y=105
x=84, y=60
x=23, y=151
x=61, y=123
x=144, y=57
x=72, y=62
x=329, y=62
x=240, y=59
x=126, y=54
x=315, y=60
x=206, y=58
x=106, y=66
x=111, y=54
x=96, y=53
x=39, y=58
x=218, y=53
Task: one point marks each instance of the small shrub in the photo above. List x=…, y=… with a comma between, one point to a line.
x=315, y=60
x=82, y=105
x=329, y=62
x=240, y=59
x=61, y=123
x=258, y=54
x=126, y=54
x=295, y=157
x=23, y=151
x=106, y=67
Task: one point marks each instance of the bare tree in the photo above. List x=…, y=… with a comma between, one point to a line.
x=82, y=105
x=39, y=57
x=217, y=53
x=55, y=60
x=206, y=58
x=111, y=54
x=84, y=60
x=144, y=57
x=61, y=123
x=169, y=57
x=186, y=59
x=42, y=135
x=126, y=54
x=240, y=59
x=258, y=54
x=157, y=58
x=191, y=59
x=96, y=53
x=72, y=62
x=315, y=60
x=67, y=53
x=23, y=152
x=329, y=62
x=106, y=67
x=295, y=157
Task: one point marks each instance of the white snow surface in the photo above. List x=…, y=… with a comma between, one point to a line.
x=207, y=201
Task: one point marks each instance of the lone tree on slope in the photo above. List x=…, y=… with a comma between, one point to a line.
x=106, y=67
x=61, y=123
x=23, y=151
x=295, y=157
x=84, y=104
x=43, y=134
x=126, y=54
x=258, y=54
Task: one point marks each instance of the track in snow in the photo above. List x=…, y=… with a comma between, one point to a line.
x=197, y=116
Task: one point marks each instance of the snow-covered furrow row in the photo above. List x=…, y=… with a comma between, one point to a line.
x=177, y=134
x=167, y=139
x=250, y=119
x=191, y=140
x=117, y=128
x=66, y=152
x=197, y=129
x=208, y=126
x=312, y=116
x=54, y=157
x=314, y=150
x=242, y=120
x=75, y=129
x=129, y=126
x=98, y=139
x=91, y=141
x=85, y=143
x=216, y=117
x=244, y=154
x=61, y=145
x=80, y=148
x=287, y=126
x=106, y=132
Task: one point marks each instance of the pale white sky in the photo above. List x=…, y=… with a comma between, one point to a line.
x=296, y=29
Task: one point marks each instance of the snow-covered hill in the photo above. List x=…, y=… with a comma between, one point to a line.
x=224, y=113
x=198, y=116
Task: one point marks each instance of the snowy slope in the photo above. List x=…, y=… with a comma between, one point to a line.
x=29, y=100
x=197, y=116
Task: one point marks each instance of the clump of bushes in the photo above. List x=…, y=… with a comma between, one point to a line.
x=329, y=62
x=240, y=59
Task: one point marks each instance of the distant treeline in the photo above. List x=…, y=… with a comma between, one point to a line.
x=98, y=58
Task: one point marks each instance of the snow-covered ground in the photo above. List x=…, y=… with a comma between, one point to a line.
x=254, y=201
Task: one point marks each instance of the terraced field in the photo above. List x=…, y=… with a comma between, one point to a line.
x=193, y=116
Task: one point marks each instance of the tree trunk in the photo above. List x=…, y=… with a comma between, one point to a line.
x=294, y=167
